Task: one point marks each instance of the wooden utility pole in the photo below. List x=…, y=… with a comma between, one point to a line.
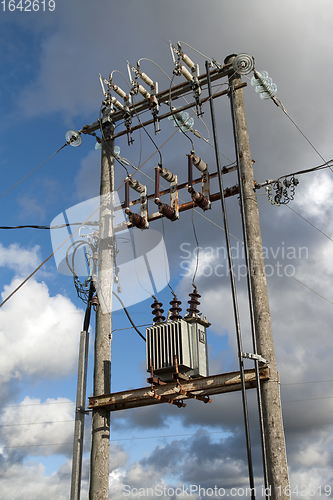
x=277, y=469
x=100, y=438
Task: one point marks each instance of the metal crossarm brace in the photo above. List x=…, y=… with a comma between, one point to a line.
x=256, y=357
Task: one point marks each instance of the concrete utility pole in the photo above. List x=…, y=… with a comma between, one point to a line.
x=277, y=469
x=100, y=438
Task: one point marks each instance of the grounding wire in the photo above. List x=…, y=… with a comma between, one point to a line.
x=233, y=291
x=249, y=283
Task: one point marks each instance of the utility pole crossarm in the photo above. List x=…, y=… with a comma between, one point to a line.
x=164, y=96
x=215, y=384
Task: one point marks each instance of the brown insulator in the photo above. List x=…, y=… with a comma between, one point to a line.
x=137, y=220
x=175, y=309
x=193, y=309
x=167, y=211
x=157, y=311
x=200, y=200
x=95, y=302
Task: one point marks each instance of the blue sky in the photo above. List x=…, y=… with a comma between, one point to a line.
x=49, y=66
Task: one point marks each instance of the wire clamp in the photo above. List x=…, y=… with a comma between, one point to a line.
x=255, y=357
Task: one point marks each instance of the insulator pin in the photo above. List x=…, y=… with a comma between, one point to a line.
x=199, y=163
x=167, y=175
x=157, y=311
x=185, y=72
x=167, y=211
x=136, y=185
x=143, y=92
x=193, y=309
x=175, y=309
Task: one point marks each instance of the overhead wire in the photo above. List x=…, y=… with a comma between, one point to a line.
x=159, y=436
x=73, y=402
x=183, y=95
x=46, y=260
x=60, y=226
x=278, y=103
x=128, y=316
x=268, y=260
x=34, y=170
x=306, y=220
x=234, y=294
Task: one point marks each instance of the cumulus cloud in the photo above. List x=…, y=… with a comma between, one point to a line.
x=37, y=335
x=39, y=428
x=21, y=260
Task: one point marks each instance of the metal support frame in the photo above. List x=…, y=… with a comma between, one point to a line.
x=206, y=386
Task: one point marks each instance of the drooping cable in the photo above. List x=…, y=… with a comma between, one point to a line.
x=129, y=317
x=233, y=291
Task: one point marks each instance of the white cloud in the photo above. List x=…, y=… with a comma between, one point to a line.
x=21, y=260
x=38, y=334
x=38, y=428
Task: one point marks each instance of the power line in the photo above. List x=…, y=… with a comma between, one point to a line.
x=309, y=222
x=73, y=402
x=34, y=170
x=268, y=260
x=60, y=226
x=161, y=436
x=44, y=262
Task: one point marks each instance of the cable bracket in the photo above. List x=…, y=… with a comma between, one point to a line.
x=256, y=357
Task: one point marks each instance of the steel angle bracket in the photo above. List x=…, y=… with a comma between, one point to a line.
x=144, y=206
x=255, y=357
x=174, y=196
x=179, y=402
